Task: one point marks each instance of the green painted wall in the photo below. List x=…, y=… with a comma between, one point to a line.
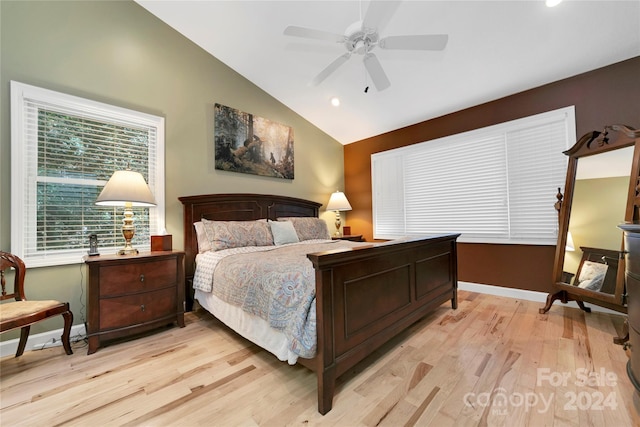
x=116, y=52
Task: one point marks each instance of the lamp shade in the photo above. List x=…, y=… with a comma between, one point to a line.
x=338, y=202
x=126, y=187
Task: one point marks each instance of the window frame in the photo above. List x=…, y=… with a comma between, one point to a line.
x=24, y=222
x=398, y=158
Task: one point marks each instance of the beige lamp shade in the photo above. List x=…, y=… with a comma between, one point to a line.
x=126, y=187
x=338, y=202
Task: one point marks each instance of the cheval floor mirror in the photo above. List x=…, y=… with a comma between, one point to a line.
x=601, y=193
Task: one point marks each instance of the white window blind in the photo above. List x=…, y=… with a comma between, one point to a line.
x=388, y=180
x=493, y=185
x=64, y=150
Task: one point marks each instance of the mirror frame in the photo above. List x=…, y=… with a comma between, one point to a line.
x=613, y=137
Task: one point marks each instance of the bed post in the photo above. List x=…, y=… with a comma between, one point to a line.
x=326, y=367
x=326, y=387
x=190, y=249
x=454, y=270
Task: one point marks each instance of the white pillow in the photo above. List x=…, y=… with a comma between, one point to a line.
x=283, y=232
x=203, y=241
x=592, y=275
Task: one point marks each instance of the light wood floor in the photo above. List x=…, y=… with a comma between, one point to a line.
x=493, y=361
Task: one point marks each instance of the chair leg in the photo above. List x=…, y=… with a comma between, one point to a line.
x=68, y=321
x=24, y=334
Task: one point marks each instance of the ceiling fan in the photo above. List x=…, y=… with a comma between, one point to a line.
x=362, y=37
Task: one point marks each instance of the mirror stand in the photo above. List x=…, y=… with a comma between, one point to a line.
x=564, y=297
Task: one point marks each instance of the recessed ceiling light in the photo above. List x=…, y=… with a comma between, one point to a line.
x=552, y=3
x=335, y=101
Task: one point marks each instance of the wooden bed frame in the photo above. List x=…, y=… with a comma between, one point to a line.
x=364, y=296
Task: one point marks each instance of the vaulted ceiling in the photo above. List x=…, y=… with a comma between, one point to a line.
x=495, y=49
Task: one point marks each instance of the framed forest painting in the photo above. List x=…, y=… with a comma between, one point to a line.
x=250, y=144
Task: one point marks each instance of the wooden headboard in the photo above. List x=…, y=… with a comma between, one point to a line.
x=233, y=207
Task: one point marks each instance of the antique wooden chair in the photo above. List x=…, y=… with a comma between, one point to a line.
x=22, y=313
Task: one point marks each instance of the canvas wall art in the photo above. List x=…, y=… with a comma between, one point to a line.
x=250, y=144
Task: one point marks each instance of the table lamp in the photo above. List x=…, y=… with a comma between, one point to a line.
x=338, y=202
x=126, y=188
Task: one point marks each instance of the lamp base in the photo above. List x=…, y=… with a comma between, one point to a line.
x=128, y=231
x=126, y=251
x=338, y=224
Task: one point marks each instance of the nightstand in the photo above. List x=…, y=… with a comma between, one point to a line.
x=352, y=237
x=567, y=277
x=130, y=294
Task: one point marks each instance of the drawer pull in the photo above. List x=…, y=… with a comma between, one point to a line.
x=142, y=307
x=142, y=277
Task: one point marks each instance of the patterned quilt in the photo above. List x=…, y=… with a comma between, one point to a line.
x=276, y=283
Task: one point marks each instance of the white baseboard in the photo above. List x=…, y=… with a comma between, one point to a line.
x=535, y=296
x=78, y=332
x=42, y=340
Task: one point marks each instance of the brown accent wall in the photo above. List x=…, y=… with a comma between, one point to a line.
x=604, y=96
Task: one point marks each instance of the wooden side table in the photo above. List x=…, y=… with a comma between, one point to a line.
x=352, y=237
x=130, y=294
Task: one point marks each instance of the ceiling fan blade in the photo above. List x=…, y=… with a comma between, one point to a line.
x=330, y=69
x=374, y=68
x=309, y=33
x=379, y=14
x=417, y=42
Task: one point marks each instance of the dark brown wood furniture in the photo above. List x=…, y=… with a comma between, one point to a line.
x=130, y=294
x=632, y=273
x=614, y=137
x=22, y=313
x=350, y=237
x=364, y=296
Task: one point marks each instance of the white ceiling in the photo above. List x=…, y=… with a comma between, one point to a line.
x=495, y=49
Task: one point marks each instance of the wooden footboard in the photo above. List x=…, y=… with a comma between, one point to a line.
x=366, y=296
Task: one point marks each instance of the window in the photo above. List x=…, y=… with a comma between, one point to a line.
x=494, y=185
x=64, y=149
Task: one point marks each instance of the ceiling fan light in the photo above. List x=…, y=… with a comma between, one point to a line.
x=362, y=37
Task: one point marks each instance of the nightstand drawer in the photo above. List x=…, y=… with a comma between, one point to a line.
x=136, y=309
x=137, y=277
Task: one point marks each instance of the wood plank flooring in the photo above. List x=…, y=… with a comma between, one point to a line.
x=492, y=362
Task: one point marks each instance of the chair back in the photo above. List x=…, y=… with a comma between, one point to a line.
x=8, y=261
